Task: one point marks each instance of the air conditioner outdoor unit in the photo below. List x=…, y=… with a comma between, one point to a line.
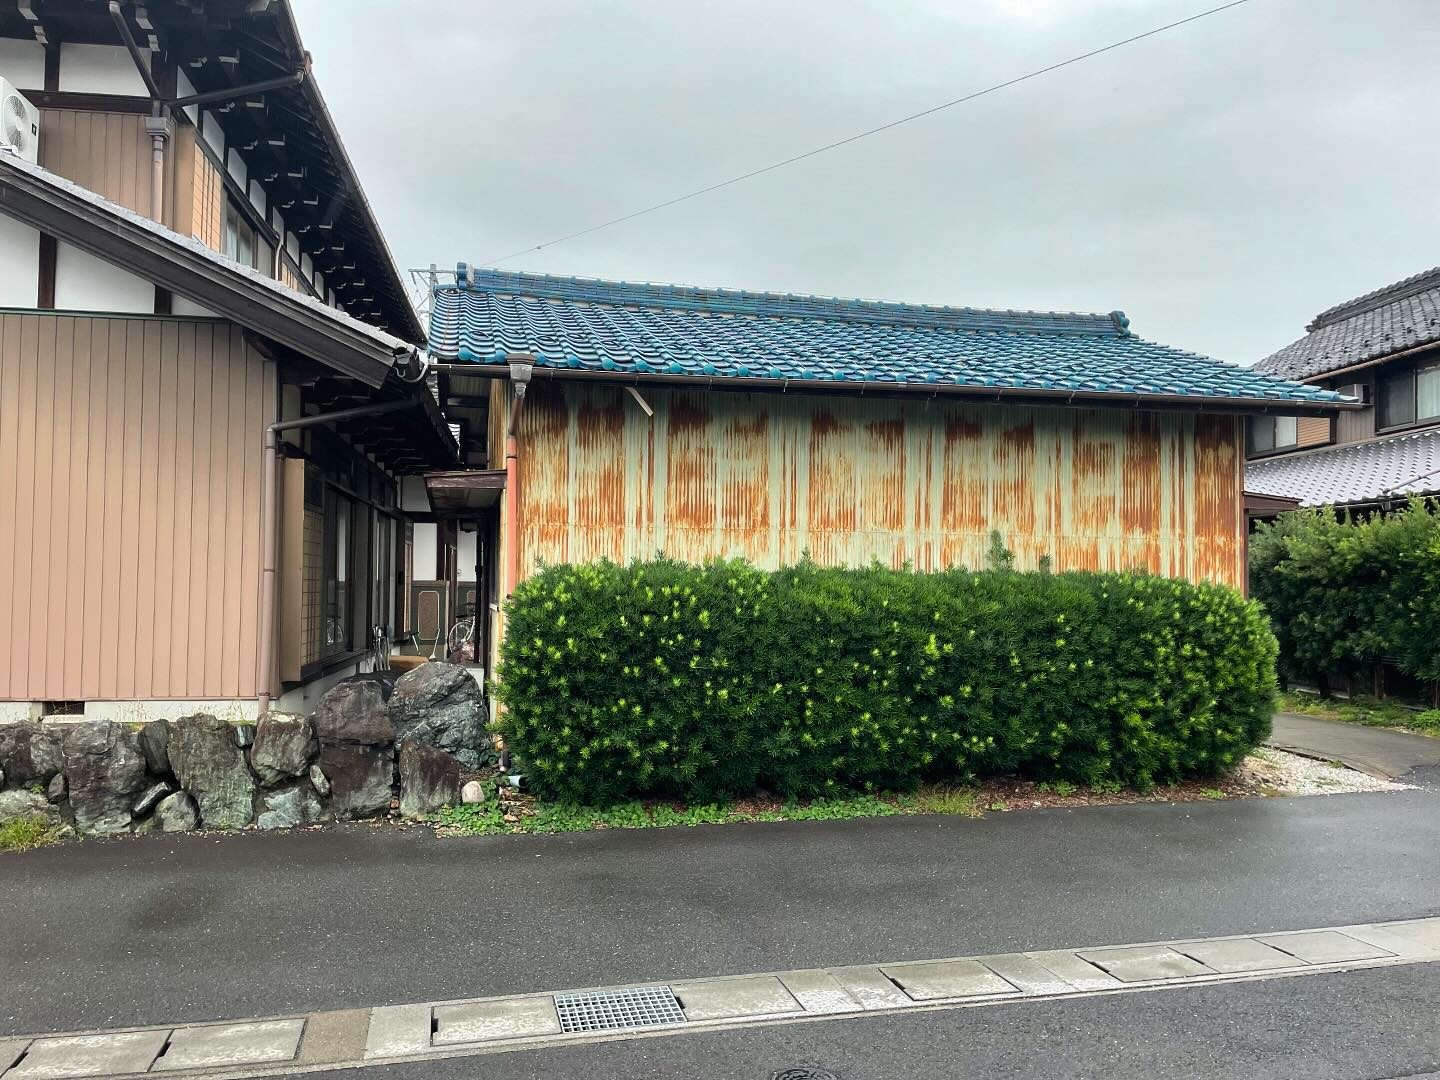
x=19, y=123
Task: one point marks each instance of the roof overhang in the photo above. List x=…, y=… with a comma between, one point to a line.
x=1258, y=504
x=293, y=140
x=33, y=196
x=461, y=493
x=876, y=388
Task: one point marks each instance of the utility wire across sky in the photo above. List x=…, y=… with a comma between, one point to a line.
x=862, y=135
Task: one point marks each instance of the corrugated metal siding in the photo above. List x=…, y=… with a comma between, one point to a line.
x=109, y=153
x=1312, y=431
x=769, y=477
x=129, y=508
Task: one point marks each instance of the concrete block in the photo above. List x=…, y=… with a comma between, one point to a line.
x=1073, y=970
x=1145, y=963
x=819, y=992
x=90, y=1055
x=505, y=1018
x=721, y=999
x=398, y=1030
x=11, y=1049
x=1325, y=947
x=871, y=988
x=254, y=1043
x=1027, y=975
x=1238, y=955
x=1424, y=933
x=335, y=1036
x=948, y=979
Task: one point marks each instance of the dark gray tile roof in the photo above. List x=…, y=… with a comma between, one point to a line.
x=1363, y=473
x=1401, y=316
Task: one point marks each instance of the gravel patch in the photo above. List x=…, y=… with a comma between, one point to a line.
x=1292, y=774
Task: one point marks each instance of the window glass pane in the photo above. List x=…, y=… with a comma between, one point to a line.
x=1427, y=393
x=230, y=244
x=1397, y=399
x=1285, y=431
x=245, y=247
x=1262, y=433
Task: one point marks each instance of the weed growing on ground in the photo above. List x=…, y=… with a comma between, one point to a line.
x=1063, y=788
x=26, y=834
x=1213, y=793
x=946, y=800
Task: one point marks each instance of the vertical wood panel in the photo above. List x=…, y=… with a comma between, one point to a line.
x=768, y=477
x=109, y=153
x=129, y=507
x=9, y=516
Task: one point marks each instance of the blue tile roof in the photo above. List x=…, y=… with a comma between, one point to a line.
x=676, y=330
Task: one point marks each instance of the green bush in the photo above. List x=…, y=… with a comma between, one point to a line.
x=1344, y=594
x=703, y=682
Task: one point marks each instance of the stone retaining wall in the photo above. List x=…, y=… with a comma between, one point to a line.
x=375, y=745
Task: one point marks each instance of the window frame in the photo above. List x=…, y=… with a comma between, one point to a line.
x=1271, y=423
x=1408, y=377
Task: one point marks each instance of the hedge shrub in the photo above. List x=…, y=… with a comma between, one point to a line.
x=1345, y=593
x=661, y=678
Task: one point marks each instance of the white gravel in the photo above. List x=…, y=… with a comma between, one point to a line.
x=1292, y=774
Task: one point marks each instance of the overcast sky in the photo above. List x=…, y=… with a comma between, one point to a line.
x=1220, y=183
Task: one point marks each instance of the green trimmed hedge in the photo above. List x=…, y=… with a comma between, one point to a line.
x=661, y=678
x=1347, y=593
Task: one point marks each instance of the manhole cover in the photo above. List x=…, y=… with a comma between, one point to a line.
x=616, y=1010
x=804, y=1073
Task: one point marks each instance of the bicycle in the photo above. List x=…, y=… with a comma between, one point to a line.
x=461, y=637
x=380, y=647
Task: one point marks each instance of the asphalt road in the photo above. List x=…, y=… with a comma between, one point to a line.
x=166, y=929
x=1363, y=1025
x=1377, y=751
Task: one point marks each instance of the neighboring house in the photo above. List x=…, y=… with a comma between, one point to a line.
x=154, y=324
x=704, y=423
x=1384, y=350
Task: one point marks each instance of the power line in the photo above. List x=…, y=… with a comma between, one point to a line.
x=863, y=134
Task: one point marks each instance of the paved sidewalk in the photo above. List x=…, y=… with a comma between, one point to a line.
x=1391, y=755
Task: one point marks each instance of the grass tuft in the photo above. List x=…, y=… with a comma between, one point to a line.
x=26, y=834
x=940, y=799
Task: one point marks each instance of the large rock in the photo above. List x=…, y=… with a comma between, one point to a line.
x=152, y=796
x=441, y=705
x=105, y=770
x=177, y=813
x=360, y=779
x=289, y=807
x=282, y=748
x=155, y=745
x=429, y=779
x=353, y=712
x=30, y=753
x=211, y=768
x=27, y=806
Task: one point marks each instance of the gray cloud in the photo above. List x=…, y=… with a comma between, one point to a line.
x=1221, y=183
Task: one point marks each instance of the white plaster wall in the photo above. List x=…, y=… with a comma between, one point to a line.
x=142, y=712
x=180, y=305
x=100, y=69
x=412, y=494
x=423, y=568
x=186, y=88
x=236, y=165
x=85, y=283
x=19, y=264
x=213, y=133
x=22, y=63
x=467, y=548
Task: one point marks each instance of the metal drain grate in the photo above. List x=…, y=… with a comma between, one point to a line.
x=616, y=1010
x=805, y=1073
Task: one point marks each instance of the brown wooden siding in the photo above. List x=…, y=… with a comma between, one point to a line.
x=109, y=153
x=1312, y=431
x=129, y=508
x=770, y=477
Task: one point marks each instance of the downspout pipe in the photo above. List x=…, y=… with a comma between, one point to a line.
x=522, y=365
x=270, y=524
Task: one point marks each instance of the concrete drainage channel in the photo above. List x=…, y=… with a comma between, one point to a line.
x=358, y=1037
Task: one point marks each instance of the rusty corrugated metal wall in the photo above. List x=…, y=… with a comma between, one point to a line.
x=850, y=479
